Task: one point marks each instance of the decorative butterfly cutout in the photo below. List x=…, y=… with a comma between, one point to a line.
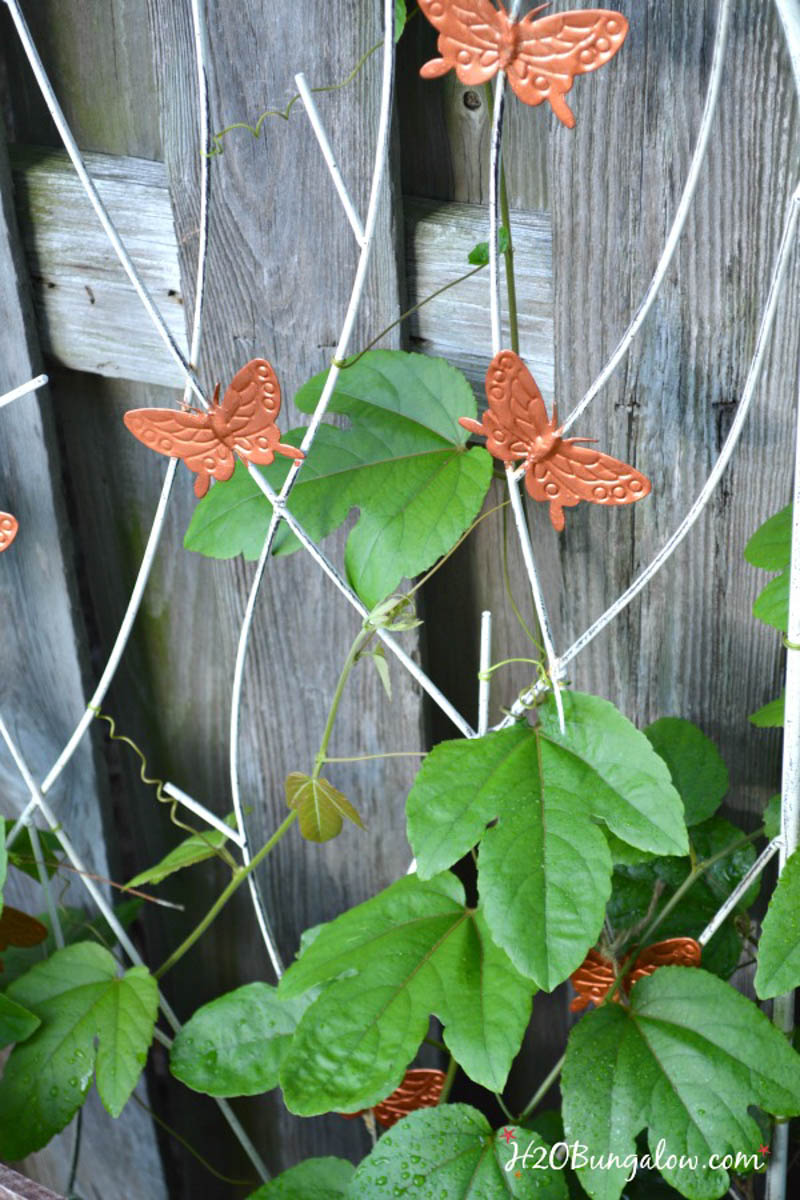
x=421, y=1088
x=594, y=978
x=208, y=442
x=557, y=470
x=541, y=57
x=18, y=929
x=8, y=530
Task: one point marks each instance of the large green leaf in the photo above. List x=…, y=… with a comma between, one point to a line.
x=76, y=926
x=771, y=714
x=685, y=1061
x=400, y=18
x=697, y=770
x=770, y=547
x=89, y=1017
x=403, y=463
x=412, y=951
x=21, y=854
x=314, y=1179
x=16, y=1023
x=545, y=866
x=779, y=947
x=772, y=604
x=235, y=1045
x=452, y=1152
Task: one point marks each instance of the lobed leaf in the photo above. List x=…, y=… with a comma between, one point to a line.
x=315, y=1179
x=779, y=948
x=319, y=806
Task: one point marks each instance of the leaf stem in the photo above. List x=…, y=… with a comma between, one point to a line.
x=543, y=1089
x=364, y=636
x=450, y=1075
x=385, y=754
x=699, y=869
x=508, y=253
x=224, y=896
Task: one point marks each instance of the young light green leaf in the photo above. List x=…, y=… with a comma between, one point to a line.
x=16, y=1023
x=400, y=18
x=695, y=764
x=771, y=545
x=403, y=463
x=235, y=1045
x=479, y=254
x=196, y=848
x=772, y=817
x=779, y=948
x=545, y=866
x=412, y=951
x=452, y=1151
x=78, y=999
x=314, y=1179
x=319, y=806
x=378, y=657
x=770, y=715
x=686, y=1061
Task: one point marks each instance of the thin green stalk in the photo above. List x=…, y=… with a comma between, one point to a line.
x=698, y=870
x=224, y=896
x=508, y=253
x=386, y=754
x=366, y=635
x=542, y=1091
x=449, y=1078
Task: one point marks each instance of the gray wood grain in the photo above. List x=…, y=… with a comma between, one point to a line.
x=89, y=317
x=42, y=677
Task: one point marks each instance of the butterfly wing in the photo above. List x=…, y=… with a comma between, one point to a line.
x=677, y=952
x=516, y=415
x=592, y=981
x=470, y=36
x=8, y=530
x=573, y=473
x=421, y=1088
x=18, y=929
x=185, y=435
x=250, y=409
x=554, y=49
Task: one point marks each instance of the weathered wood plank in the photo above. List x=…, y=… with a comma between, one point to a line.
x=439, y=237
x=90, y=319
x=17, y=1187
x=41, y=680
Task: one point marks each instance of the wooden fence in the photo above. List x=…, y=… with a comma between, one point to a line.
x=592, y=207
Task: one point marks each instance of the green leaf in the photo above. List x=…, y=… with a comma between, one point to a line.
x=314, y=1179
x=771, y=715
x=772, y=817
x=479, y=254
x=452, y=1151
x=770, y=547
x=16, y=1023
x=772, y=604
x=400, y=18
x=75, y=926
x=3, y=862
x=695, y=764
x=195, y=849
x=378, y=657
x=78, y=998
x=412, y=951
x=319, y=807
x=686, y=1061
x=779, y=948
x=726, y=874
x=545, y=867
x=235, y=1045
x=403, y=463
x=21, y=854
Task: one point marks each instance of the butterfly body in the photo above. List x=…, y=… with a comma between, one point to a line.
x=242, y=425
x=541, y=56
x=560, y=471
x=8, y=530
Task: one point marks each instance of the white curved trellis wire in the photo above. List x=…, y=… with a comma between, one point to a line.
x=789, y=13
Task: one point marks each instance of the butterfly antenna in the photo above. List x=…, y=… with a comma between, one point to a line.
x=215, y=397
x=534, y=11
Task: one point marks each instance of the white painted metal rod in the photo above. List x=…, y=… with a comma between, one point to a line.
x=312, y=112
x=203, y=813
x=766, y=855
x=484, y=678
x=22, y=390
x=673, y=237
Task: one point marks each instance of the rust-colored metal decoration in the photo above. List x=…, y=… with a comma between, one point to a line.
x=8, y=530
x=421, y=1088
x=558, y=470
x=208, y=442
x=541, y=57
x=18, y=929
x=594, y=978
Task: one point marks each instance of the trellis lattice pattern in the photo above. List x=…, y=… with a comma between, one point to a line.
x=789, y=12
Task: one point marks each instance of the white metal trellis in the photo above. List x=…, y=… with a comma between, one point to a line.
x=789, y=13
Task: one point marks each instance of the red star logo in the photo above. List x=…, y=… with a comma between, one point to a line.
x=763, y=1149
x=518, y=1174
x=508, y=1134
